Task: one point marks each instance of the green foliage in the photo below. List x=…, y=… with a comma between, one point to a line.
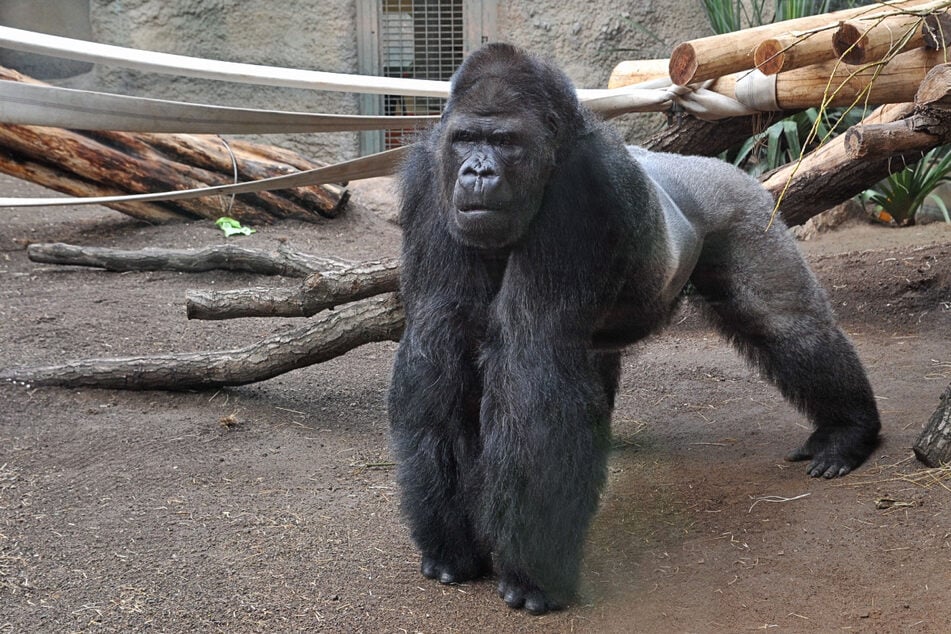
x=902, y=193
x=791, y=9
x=784, y=141
x=726, y=16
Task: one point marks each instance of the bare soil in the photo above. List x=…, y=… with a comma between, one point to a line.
x=272, y=507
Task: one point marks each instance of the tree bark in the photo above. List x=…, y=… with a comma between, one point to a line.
x=67, y=183
x=375, y=319
x=933, y=446
x=115, y=163
x=695, y=137
x=887, y=139
x=318, y=292
x=935, y=89
x=827, y=176
x=226, y=257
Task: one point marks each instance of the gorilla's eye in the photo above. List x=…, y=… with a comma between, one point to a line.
x=502, y=139
x=464, y=136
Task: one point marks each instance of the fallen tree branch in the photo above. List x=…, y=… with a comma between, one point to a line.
x=218, y=257
x=318, y=292
x=376, y=319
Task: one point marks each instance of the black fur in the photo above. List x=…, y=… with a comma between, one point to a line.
x=535, y=248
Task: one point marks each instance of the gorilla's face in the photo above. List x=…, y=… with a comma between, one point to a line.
x=496, y=166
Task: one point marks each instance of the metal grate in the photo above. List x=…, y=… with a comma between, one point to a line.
x=421, y=39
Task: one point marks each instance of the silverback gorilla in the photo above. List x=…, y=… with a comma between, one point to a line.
x=536, y=246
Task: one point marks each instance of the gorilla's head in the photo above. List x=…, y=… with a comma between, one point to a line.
x=509, y=118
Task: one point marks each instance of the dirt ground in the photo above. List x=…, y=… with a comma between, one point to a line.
x=134, y=511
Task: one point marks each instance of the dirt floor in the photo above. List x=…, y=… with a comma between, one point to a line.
x=132, y=511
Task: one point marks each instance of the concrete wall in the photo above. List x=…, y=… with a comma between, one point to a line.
x=586, y=38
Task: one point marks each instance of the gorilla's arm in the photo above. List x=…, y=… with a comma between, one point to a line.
x=547, y=395
x=434, y=398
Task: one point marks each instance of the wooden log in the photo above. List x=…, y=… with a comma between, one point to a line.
x=935, y=88
x=787, y=51
x=937, y=30
x=688, y=135
x=68, y=183
x=333, y=334
x=116, y=163
x=827, y=176
x=631, y=72
x=855, y=41
x=860, y=42
x=217, y=154
x=225, y=257
x=933, y=446
x=887, y=139
x=319, y=291
x=836, y=84
x=717, y=55
x=80, y=154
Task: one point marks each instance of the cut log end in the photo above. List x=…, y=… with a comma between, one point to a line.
x=683, y=64
x=935, y=90
x=936, y=30
x=848, y=43
x=769, y=56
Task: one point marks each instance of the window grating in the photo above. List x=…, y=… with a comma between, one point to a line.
x=420, y=39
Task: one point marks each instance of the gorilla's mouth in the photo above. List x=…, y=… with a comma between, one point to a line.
x=484, y=226
x=478, y=212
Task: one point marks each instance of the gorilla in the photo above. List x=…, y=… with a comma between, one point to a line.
x=536, y=246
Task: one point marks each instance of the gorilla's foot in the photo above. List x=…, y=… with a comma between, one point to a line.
x=456, y=570
x=518, y=593
x=837, y=451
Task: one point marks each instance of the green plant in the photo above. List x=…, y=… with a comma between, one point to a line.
x=783, y=141
x=726, y=16
x=902, y=193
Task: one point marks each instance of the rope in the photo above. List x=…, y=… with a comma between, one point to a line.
x=31, y=104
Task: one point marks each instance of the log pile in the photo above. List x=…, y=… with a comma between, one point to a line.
x=84, y=163
x=892, y=54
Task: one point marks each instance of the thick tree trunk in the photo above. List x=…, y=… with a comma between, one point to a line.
x=933, y=446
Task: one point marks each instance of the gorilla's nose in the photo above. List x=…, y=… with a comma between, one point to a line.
x=479, y=181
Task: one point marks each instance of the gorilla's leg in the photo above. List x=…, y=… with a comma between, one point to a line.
x=434, y=404
x=768, y=303
x=545, y=425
